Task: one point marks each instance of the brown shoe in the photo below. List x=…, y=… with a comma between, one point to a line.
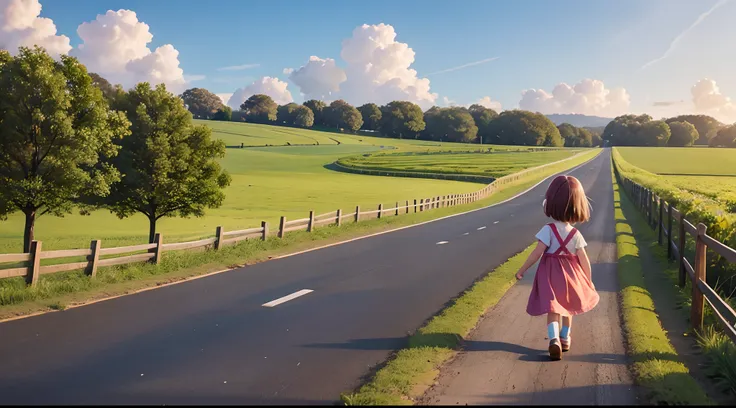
x=565, y=343
x=555, y=350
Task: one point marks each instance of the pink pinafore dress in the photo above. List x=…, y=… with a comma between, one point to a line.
x=561, y=286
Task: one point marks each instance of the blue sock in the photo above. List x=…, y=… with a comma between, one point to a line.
x=565, y=332
x=553, y=330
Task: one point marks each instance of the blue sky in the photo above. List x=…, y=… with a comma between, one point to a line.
x=538, y=43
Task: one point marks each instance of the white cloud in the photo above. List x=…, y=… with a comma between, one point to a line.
x=239, y=67
x=272, y=87
x=448, y=102
x=20, y=25
x=483, y=61
x=587, y=97
x=319, y=78
x=708, y=99
x=225, y=97
x=378, y=70
x=487, y=102
x=115, y=45
x=288, y=71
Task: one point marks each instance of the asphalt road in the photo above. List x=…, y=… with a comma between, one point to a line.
x=210, y=341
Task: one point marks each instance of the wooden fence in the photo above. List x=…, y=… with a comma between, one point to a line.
x=669, y=222
x=97, y=256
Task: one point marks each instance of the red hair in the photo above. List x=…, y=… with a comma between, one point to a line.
x=565, y=200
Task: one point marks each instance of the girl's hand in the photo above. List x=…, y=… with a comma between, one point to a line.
x=519, y=275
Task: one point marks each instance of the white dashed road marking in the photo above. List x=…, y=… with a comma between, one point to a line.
x=442, y=243
x=287, y=298
x=481, y=228
x=467, y=233
x=495, y=222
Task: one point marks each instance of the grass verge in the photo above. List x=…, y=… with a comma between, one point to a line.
x=412, y=370
x=62, y=290
x=655, y=363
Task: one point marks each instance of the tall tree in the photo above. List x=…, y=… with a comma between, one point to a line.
x=108, y=90
x=725, y=137
x=482, y=117
x=683, y=134
x=371, y=116
x=223, y=114
x=55, y=126
x=574, y=136
x=303, y=116
x=654, y=133
x=343, y=115
x=169, y=165
x=454, y=124
x=260, y=109
x=706, y=126
x=401, y=118
x=202, y=103
x=625, y=130
x=285, y=114
x=318, y=109
x=519, y=127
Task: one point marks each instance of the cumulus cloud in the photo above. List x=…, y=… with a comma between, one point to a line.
x=708, y=99
x=319, y=78
x=288, y=71
x=487, y=102
x=225, y=97
x=587, y=97
x=448, y=102
x=377, y=70
x=21, y=26
x=272, y=87
x=115, y=45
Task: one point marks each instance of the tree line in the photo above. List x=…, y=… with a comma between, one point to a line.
x=400, y=119
x=69, y=140
x=679, y=131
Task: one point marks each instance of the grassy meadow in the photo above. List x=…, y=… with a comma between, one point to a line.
x=284, y=176
x=705, y=171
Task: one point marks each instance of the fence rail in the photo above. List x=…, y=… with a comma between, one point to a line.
x=154, y=251
x=662, y=217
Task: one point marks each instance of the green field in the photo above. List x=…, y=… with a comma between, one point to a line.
x=268, y=182
x=710, y=172
x=493, y=164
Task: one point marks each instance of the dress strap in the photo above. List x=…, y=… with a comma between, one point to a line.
x=563, y=243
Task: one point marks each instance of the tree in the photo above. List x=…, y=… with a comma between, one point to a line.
x=453, y=124
x=303, y=116
x=108, y=91
x=343, y=115
x=625, y=130
x=519, y=127
x=653, y=133
x=706, y=126
x=285, y=114
x=595, y=133
x=318, y=109
x=55, y=126
x=260, y=109
x=202, y=103
x=224, y=114
x=575, y=136
x=169, y=165
x=482, y=117
x=402, y=118
x=725, y=137
x=371, y=114
x=683, y=134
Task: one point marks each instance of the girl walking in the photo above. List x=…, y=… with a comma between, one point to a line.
x=563, y=286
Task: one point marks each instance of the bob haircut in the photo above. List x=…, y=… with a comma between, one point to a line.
x=565, y=200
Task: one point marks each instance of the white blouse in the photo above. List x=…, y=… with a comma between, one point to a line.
x=547, y=237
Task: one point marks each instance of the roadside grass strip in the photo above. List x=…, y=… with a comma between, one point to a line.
x=409, y=373
x=655, y=364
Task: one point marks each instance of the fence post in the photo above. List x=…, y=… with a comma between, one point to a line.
x=670, y=241
x=218, y=238
x=35, y=266
x=660, y=221
x=264, y=225
x=357, y=213
x=681, y=249
x=650, y=199
x=415, y=205
x=94, y=258
x=697, y=304
x=282, y=227
x=397, y=208
x=380, y=210
x=159, y=240
x=421, y=204
x=310, y=226
x=407, y=206
x=339, y=217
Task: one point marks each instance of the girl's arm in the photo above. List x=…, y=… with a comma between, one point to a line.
x=584, y=262
x=533, y=257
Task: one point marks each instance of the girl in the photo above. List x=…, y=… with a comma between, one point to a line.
x=563, y=286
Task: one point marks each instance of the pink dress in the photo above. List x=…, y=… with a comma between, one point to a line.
x=560, y=285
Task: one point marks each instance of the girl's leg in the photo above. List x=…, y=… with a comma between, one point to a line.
x=565, y=338
x=553, y=333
